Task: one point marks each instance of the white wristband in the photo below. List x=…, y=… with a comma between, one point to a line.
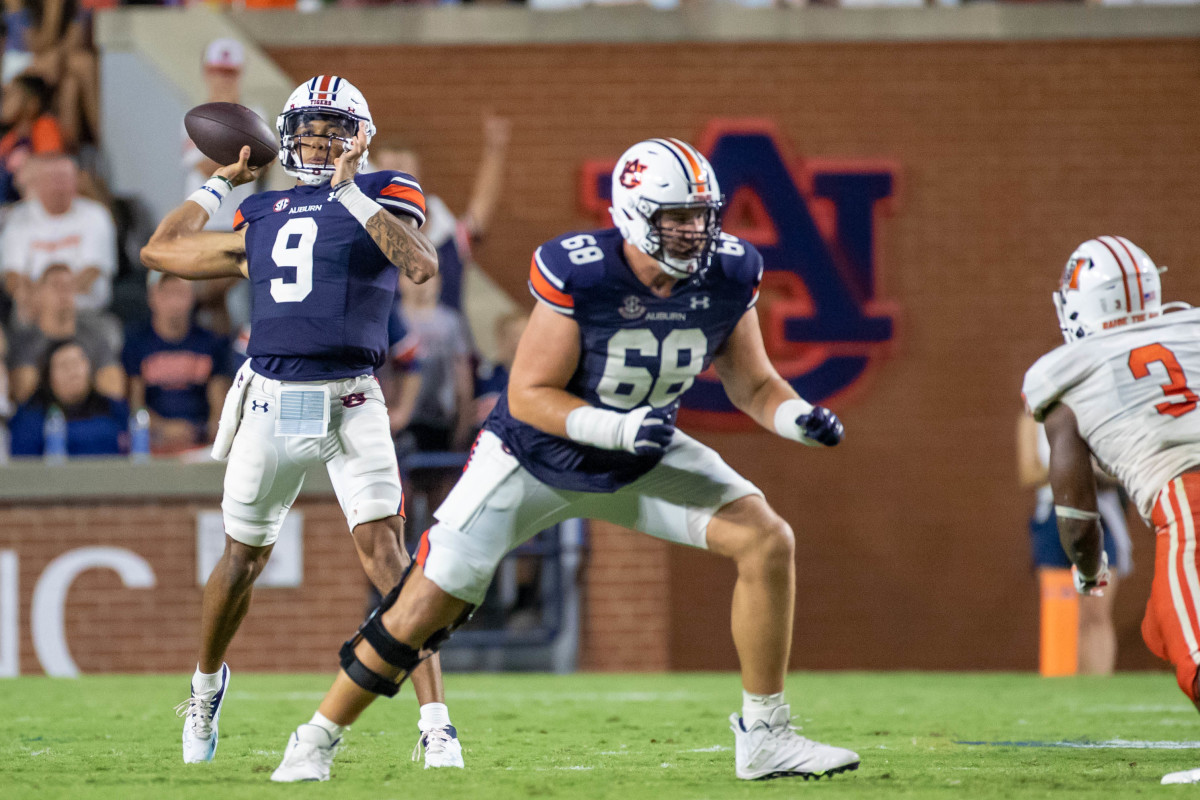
x=785, y=420
x=1067, y=512
x=361, y=207
x=210, y=195
x=608, y=430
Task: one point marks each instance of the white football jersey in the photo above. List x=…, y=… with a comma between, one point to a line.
x=1134, y=394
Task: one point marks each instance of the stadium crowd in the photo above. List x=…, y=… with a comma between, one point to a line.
x=151, y=356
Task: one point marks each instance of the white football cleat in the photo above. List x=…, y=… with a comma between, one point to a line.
x=442, y=748
x=201, y=714
x=773, y=749
x=308, y=757
x=1187, y=776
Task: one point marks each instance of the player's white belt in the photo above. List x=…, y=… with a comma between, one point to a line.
x=302, y=408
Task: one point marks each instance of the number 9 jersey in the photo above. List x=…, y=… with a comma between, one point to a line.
x=322, y=290
x=636, y=348
x=1133, y=392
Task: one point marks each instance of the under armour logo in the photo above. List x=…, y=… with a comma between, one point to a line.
x=701, y=301
x=355, y=399
x=254, y=405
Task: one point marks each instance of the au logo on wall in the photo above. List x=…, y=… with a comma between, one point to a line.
x=814, y=221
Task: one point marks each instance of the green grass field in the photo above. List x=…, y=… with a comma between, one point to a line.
x=611, y=736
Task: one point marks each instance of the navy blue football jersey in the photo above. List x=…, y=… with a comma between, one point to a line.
x=322, y=289
x=636, y=348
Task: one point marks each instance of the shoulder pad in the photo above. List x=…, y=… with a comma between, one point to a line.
x=1052, y=376
x=568, y=263
x=398, y=192
x=256, y=206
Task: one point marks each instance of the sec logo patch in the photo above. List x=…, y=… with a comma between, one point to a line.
x=282, y=204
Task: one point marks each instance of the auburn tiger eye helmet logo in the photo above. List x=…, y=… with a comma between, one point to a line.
x=631, y=174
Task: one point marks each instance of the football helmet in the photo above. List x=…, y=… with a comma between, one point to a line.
x=1109, y=281
x=661, y=175
x=325, y=98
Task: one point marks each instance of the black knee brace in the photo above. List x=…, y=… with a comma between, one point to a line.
x=394, y=652
x=391, y=650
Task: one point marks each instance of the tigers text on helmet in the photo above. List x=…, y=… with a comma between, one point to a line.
x=1108, y=282
x=660, y=176
x=326, y=107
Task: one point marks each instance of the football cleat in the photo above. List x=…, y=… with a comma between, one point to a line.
x=1187, y=776
x=441, y=745
x=201, y=713
x=773, y=749
x=308, y=757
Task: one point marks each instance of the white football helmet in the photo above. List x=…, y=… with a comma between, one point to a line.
x=1109, y=281
x=661, y=174
x=325, y=98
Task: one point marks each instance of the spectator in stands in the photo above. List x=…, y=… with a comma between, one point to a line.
x=5, y=403
x=401, y=376
x=224, y=303
x=57, y=226
x=177, y=370
x=16, y=40
x=57, y=321
x=453, y=236
x=95, y=423
x=442, y=417
x=30, y=130
x=491, y=377
x=59, y=39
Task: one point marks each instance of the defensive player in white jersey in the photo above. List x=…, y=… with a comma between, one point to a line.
x=1123, y=390
x=323, y=260
x=626, y=320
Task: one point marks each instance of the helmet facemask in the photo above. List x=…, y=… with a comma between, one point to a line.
x=312, y=140
x=672, y=237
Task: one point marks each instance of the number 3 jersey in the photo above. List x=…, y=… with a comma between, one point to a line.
x=636, y=348
x=1133, y=393
x=322, y=290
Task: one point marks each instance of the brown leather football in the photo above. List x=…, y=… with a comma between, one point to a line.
x=220, y=130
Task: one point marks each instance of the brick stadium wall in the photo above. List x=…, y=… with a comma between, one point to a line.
x=912, y=544
x=912, y=549
x=111, y=628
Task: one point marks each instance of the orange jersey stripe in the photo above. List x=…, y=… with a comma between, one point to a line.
x=423, y=548
x=238, y=220
x=545, y=289
x=405, y=193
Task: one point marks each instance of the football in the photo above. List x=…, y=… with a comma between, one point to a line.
x=220, y=130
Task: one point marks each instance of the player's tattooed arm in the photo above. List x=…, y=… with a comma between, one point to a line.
x=404, y=245
x=397, y=237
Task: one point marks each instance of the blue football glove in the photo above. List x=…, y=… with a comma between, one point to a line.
x=653, y=434
x=821, y=426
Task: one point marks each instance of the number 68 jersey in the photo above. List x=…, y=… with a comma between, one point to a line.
x=322, y=289
x=636, y=348
x=1134, y=394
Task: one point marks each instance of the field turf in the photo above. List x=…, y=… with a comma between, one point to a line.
x=660, y=737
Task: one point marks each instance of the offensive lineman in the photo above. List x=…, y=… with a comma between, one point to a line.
x=1123, y=391
x=626, y=320
x=323, y=259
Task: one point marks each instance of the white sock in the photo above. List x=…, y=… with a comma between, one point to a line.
x=434, y=715
x=759, y=706
x=329, y=726
x=204, y=683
